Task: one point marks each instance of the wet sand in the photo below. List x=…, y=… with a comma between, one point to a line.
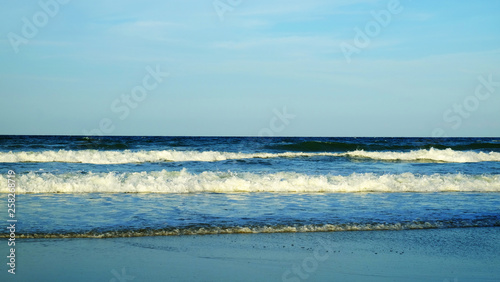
x=466, y=254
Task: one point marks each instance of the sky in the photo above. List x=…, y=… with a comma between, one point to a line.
x=250, y=68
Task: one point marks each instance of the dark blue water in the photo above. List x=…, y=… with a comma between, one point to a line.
x=136, y=186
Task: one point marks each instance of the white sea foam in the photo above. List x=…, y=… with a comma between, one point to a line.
x=430, y=155
x=121, y=157
x=230, y=182
x=266, y=229
x=127, y=156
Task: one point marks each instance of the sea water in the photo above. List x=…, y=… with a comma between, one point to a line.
x=73, y=186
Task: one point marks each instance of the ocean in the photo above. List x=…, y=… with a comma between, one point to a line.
x=103, y=187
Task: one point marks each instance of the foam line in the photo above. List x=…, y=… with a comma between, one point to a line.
x=230, y=182
x=127, y=156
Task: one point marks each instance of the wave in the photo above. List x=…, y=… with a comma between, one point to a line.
x=319, y=146
x=268, y=229
x=231, y=182
x=430, y=155
x=322, y=146
x=127, y=156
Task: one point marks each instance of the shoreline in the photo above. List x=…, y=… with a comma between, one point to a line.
x=202, y=231
x=458, y=254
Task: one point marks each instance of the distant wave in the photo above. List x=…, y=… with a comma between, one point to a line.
x=205, y=230
x=430, y=155
x=230, y=182
x=320, y=146
x=127, y=156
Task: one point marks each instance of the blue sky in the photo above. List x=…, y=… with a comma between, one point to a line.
x=233, y=71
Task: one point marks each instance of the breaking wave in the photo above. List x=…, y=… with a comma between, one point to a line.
x=127, y=156
x=430, y=155
x=231, y=182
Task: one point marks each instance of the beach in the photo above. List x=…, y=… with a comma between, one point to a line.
x=232, y=140
x=456, y=254
x=139, y=208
